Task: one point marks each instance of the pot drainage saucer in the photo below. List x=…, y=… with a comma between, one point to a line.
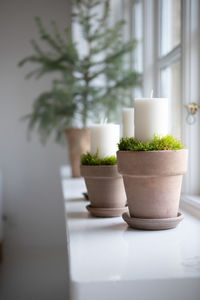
x=152, y=224
x=106, y=212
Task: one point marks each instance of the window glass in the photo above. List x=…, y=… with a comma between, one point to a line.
x=170, y=25
x=138, y=35
x=171, y=88
x=137, y=29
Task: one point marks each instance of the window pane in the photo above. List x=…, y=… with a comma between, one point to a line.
x=137, y=30
x=138, y=92
x=138, y=35
x=170, y=25
x=171, y=88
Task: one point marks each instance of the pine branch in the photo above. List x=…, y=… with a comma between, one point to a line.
x=58, y=36
x=125, y=48
x=44, y=35
x=132, y=78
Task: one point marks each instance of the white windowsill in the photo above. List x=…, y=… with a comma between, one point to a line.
x=107, y=257
x=191, y=204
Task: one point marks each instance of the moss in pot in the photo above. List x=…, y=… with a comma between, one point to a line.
x=152, y=174
x=104, y=184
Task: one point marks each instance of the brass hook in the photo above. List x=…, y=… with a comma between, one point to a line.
x=192, y=109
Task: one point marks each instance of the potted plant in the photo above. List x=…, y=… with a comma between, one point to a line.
x=152, y=174
x=104, y=184
x=85, y=86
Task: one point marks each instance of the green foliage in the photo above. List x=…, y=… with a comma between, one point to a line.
x=48, y=117
x=168, y=142
x=94, y=160
x=84, y=86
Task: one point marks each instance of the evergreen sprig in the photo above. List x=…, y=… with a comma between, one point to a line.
x=99, y=81
x=89, y=159
x=168, y=142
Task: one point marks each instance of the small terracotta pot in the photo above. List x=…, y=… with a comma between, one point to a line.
x=105, y=186
x=78, y=143
x=152, y=181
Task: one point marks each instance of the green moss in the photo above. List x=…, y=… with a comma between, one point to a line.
x=94, y=160
x=168, y=142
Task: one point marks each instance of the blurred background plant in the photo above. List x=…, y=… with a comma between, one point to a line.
x=85, y=87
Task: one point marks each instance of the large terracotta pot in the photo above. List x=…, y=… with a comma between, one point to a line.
x=152, y=181
x=78, y=143
x=105, y=186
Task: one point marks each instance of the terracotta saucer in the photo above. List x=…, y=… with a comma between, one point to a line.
x=152, y=224
x=106, y=212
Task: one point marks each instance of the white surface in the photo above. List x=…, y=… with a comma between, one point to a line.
x=37, y=271
x=110, y=261
x=34, y=265
x=151, y=117
x=27, y=164
x=128, y=122
x=191, y=203
x=104, y=139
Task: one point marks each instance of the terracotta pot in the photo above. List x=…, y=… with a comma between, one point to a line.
x=152, y=181
x=105, y=186
x=78, y=142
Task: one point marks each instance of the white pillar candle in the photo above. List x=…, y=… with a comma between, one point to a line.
x=128, y=122
x=151, y=117
x=104, y=139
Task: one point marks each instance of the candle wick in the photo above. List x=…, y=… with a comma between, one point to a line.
x=152, y=93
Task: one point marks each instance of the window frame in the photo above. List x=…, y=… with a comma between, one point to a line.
x=172, y=57
x=188, y=52
x=191, y=91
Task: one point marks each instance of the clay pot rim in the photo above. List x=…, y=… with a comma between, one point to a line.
x=100, y=171
x=108, y=166
x=152, y=151
x=152, y=163
x=76, y=128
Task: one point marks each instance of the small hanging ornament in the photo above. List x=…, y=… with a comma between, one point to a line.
x=192, y=109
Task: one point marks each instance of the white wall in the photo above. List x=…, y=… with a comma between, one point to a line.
x=1, y=209
x=32, y=189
